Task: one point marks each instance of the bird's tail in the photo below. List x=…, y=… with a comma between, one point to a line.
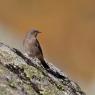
x=49, y=70
x=45, y=65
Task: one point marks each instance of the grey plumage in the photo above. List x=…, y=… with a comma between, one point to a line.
x=32, y=47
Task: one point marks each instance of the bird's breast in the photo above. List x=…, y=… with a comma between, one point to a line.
x=31, y=48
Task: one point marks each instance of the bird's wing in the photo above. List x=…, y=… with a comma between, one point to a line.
x=39, y=47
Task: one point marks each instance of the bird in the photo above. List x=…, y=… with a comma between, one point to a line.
x=32, y=47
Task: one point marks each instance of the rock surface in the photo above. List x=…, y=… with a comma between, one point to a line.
x=20, y=75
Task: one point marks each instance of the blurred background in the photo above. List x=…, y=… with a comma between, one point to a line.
x=68, y=37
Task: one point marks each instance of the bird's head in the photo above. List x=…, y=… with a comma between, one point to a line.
x=34, y=33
